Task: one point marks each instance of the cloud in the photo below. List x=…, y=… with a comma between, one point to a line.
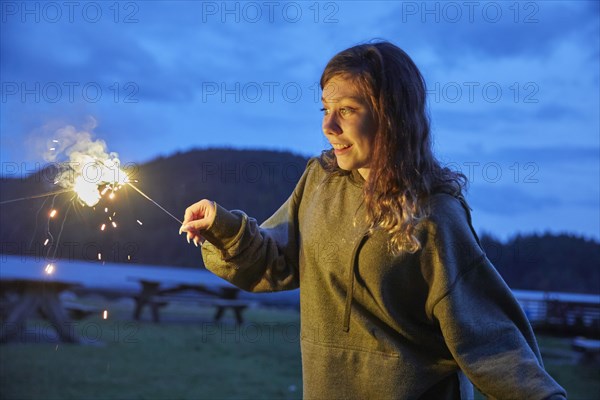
x=493, y=29
x=509, y=201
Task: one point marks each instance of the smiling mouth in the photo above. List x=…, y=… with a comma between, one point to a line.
x=338, y=146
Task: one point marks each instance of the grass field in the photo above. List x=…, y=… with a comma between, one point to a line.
x=189, y=357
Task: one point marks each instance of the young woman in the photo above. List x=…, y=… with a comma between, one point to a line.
x=397, y=298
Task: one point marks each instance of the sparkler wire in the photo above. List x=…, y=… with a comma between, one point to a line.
x=36, y=196
x=155, y=203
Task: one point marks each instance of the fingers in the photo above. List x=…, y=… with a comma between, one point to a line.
x=197, y=225
x=193, y=212
x=198, y=217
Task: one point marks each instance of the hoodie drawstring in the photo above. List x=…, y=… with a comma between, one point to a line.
x=350, y=285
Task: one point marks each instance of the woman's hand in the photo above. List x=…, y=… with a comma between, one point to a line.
x=198, y=218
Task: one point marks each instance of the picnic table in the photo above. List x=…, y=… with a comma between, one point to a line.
x=156, y=294
x=24, y=298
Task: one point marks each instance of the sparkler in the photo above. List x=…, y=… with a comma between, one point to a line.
x=91, y=174
x=155, y=203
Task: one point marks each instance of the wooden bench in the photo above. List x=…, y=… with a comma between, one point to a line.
x=155, y=298
x=590, y=348
x=79, y=311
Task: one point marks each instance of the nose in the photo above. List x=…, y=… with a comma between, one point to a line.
x=330, y=125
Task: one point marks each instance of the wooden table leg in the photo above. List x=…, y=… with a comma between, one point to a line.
x=56, y=314
x=219, y=313
x=43, y=297
x=147, y=297
x=26, y=305
x=238, y=314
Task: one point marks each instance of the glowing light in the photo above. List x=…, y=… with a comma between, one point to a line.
x=128, y=257
x=52, y=213
x=111, y=195
x=54, y=141
x=49, y=269
x=102, y=227
x=114, y=224
x=105, y=209
x=87, y=191
x=139, y=222
x=105, y=314
x=46, y=242
x=99, y=256
x=106, y=174
x=52, y=148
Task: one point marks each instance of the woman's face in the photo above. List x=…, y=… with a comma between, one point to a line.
x=348, y=124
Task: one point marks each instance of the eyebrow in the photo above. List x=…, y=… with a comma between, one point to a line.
x=335, y=100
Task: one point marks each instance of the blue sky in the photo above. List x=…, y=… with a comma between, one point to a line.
x=514, y=87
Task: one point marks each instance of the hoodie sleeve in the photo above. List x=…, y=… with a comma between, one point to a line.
x=482, y=324
x=257, y=258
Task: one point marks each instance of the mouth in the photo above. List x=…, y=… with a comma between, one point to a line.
x=339, y=148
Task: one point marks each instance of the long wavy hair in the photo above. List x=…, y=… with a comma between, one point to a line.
x=403, y=168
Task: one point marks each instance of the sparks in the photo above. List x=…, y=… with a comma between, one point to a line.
x=102, y=227
x=111, y=195
x=46, y=242
x=52, y=148
x=49, y=269
x=105, y=314
x=139, y=222
x=105, y=209
x=128, y=257
x=52, y=213
x=108, y=175
x=99, y=256
x=114, y=224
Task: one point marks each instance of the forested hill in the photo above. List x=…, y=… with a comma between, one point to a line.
x=561, y=263
x=257, y=182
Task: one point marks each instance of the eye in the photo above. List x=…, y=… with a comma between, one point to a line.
x=345, y=111
x=324, y=111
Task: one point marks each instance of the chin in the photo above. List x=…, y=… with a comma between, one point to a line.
x=345, y=166
x=348, y=166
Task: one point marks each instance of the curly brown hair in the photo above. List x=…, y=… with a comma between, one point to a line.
x=403, y=169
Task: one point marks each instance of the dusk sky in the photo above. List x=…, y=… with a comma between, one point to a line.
x=514, y=87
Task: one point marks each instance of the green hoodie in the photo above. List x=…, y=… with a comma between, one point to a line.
x=375, y=325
